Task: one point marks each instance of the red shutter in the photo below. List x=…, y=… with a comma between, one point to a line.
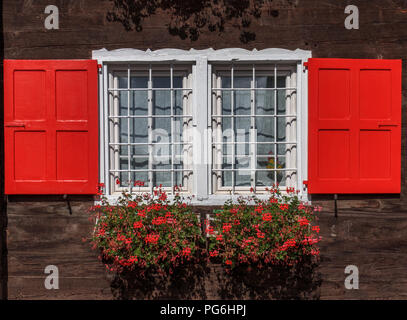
x=51, y=126
x=354, y=126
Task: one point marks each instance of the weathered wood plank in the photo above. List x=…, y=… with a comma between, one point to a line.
x=370, y=231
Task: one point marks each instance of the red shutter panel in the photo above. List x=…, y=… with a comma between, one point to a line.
x=51, y=126
x=354, y=117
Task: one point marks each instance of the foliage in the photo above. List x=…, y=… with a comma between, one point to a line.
x=147, y=232
x=262, y=233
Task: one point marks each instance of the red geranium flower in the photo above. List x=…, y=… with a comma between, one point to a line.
x=137, y=224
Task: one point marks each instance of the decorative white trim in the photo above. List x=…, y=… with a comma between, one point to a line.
x=232, y=54
x=202, y=60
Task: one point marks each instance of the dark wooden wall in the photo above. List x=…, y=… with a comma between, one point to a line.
x=370, y=231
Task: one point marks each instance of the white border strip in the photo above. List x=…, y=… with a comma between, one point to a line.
x=298, y=56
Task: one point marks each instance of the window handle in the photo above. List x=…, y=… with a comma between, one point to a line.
x=15, y=124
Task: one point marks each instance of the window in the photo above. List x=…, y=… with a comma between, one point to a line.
x=217, y=123
x=149, y=110
x=254, y=125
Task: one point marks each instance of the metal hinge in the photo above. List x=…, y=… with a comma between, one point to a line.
x=305, y=65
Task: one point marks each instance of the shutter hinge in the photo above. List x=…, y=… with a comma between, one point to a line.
x=305, y=64
x=305, y=183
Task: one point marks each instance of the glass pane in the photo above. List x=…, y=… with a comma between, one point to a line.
x=265, y=149
x=265, y=133
x=139, y=134
x=226, y=175
x=265, y=102
x=227, y=136
x=123, y=136
x=162, y=106
x=162, y=102
x=135, y=130
x=265, y=178
x=242, y=134
x=242, y=102
x=178, y=101
x=242, y=82
x=282, y=127
x=281, y=81
x=243, y=176
x=242, y=97
x=141, y=163
x=281, y=102
x=123, y=176
x=139, y=99
x=226, y=82
x=281, y=175
x=264, y=81
x=162, y=177
x=161, y=81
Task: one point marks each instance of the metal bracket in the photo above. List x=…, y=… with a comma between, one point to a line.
x=336, y=205
x=65, y=196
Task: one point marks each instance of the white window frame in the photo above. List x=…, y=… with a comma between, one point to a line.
x=202, y=61
x=251, y=70
x=157, y=70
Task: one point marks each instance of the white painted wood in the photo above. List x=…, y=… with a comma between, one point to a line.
x=235, y=54
x=202, y=59
x=200, y=120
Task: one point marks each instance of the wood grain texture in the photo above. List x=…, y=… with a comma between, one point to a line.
x=316, y=25
x=42, y=234
x=370, y=231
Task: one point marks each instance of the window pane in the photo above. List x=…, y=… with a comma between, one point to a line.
x=274, y=124
x=265, y=133
x=139, y=99
x=265, y=177
x=133, y=112
x=265, y=82
x=140, y=163
x=264, y=102
x=242, y=97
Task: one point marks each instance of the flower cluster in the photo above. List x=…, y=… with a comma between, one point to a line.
x=263, y=232
x=147, y=232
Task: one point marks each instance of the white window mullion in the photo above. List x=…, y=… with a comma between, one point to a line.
x=219, y=134
x=253, y=134
x=232, y=125
x=275, y=124
x=209, y=129
x=116, y=131
x=106, y=126
x=128, y=130
x=172, y=126
x=149, y=127
x=200, y=120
